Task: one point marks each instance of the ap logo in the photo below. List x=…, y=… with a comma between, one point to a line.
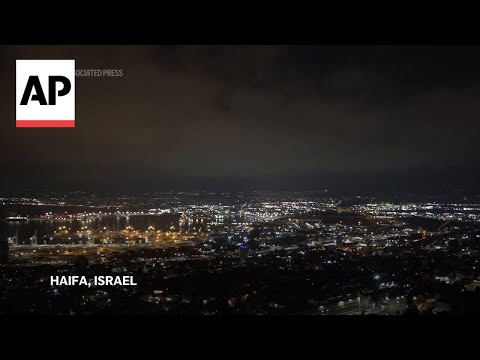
x=45, y=93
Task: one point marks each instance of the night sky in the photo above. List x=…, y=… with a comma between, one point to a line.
x=348, y=118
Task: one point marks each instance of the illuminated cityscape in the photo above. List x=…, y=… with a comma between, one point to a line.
x=241, y=253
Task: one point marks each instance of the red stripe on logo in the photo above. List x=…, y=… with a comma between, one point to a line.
x=46, y=123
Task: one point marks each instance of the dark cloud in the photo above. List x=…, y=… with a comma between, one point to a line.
x=236, y=115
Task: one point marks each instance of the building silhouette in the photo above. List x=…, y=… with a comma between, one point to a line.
x=34, y=239
x=4, y=251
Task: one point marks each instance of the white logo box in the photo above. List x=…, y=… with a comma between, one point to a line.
x=62, y=114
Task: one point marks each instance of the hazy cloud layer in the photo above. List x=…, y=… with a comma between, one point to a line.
x=187, y=116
